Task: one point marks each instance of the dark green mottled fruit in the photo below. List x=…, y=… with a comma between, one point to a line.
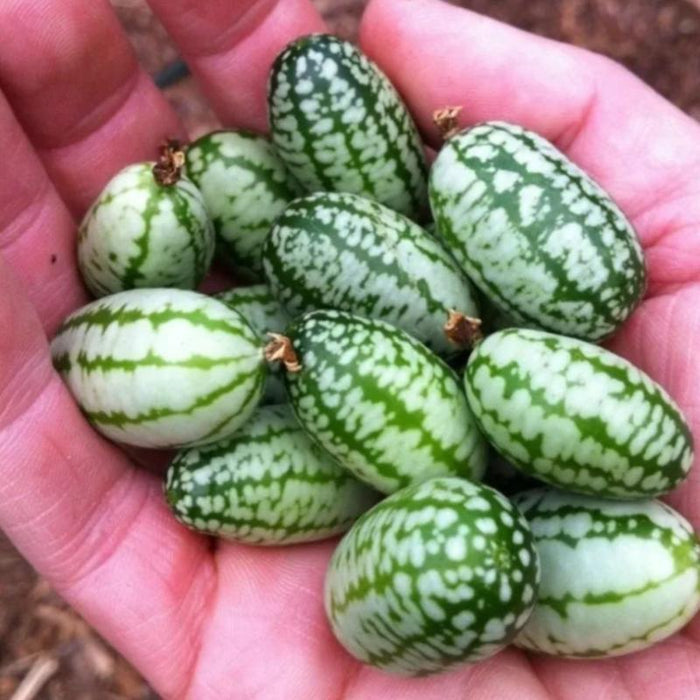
x=245, y=186
x=438, y=574
x=266, y=484
x=538, y=236
x=340, y=251
x=380, y=402
x=340, y=126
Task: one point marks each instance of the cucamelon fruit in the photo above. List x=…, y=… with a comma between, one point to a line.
x=378, y=400
x=538, y=236
x=339, y=125
x=161, y=367
x=245, y=186
x=616, y=576
x=577, y=416
x=266, y=484
x=345, y=252
x=143, y=233
x=439, y=573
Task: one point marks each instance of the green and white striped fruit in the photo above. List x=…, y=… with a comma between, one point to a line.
x=341, y=251
x=616, y=577
x=245, y=186
x=577, y=416
x=266, y=484
x=380, y=402
x=340, y=126
x=536, y=234
x=265, y=315
x=438, y=574
x=161, y=367
x=140, y=233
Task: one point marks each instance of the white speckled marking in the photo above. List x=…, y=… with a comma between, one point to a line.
x=442, y=606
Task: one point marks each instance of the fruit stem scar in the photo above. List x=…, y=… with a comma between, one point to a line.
x=445, y=119
x=280, y=349
x=171, y=159
x=462, y=330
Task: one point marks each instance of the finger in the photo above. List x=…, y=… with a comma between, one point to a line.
x=36, y=228
x=230, y=48
x=94, y=526
x=639, y=147
x=270, y=599
x=76, y=88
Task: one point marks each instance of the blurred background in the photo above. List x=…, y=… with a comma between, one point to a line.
x=46, y=650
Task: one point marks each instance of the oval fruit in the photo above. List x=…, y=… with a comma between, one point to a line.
x=340, y=126
x=438, y=574
x=265, y=315
x=341, y=251
x=245, y=186
x=616, y=576
x=161, y=367
x=266, y=484
x=538, y=236
x=577, y=416
x=140, y=233
x=380, y=402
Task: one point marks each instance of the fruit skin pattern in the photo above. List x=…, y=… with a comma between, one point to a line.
x=536, y=234
x=616, y=576
x=339, y=125
x=266, y=484
x=577, y=416
x=346, y=252
x=439, y=573
x=161, y=367
x=245, y=187
x=264, y=314
x=139, y=233
x=380, y=402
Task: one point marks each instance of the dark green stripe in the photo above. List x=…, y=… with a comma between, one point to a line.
x=104, y=363
x=103, y=316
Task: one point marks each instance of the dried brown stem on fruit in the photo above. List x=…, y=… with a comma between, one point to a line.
x=462, y=330
x=445, y=120
x=171, y=160
x=280, y=349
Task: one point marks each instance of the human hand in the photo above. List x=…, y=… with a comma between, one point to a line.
x=205, y=620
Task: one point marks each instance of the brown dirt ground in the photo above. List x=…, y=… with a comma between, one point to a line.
x=657, y=39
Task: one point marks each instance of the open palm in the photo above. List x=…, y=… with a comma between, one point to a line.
x=214, y=620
